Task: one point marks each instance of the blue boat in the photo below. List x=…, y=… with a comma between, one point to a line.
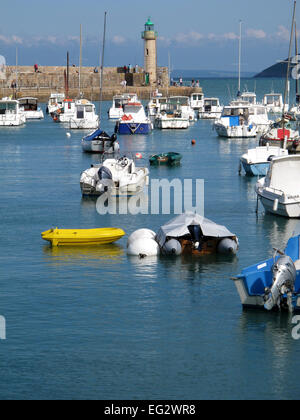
x=274, y=283
x=134, y=120
x=256, y=162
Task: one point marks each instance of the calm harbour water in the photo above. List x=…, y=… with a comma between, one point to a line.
x=95, y=324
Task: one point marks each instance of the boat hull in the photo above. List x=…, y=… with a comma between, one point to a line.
x=133, y=128
x=82, y=237
x=253, y=282
x=255, y=169
x=289, y=210
x=235, y=132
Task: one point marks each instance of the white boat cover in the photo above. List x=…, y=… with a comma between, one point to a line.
x=284, y=175
x=178, y=227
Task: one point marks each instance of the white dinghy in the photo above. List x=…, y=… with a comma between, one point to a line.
x=117, y=177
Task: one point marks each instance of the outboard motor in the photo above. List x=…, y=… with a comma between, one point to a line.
x=105, y=178
x=197, y=236
x=284, y=278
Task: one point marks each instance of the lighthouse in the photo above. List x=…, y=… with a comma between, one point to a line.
x=150, y=36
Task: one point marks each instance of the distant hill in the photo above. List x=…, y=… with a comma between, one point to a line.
x=209, y=74
x=277, y=70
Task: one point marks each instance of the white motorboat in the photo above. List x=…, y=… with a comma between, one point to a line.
x=183, y=105
x=117, y=177
x=134, y=120
x=85, y=117
x=256, y=162
x=243, y=120
x=279, y=191
x=10, y=113
x=274, y=103
x=235, y=123
x=117, y=111
x=171, y=118
x=55, y=102
x=30, y=108
x=64, y=114
x=100, y=142
x=211, y=110
x=258, y=115
x=155, y=106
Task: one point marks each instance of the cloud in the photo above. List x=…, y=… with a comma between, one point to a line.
x=118, y=40
x=283, y=33
x=13, y=39
x=188, y=38
x=230, y=36
x=256, y=33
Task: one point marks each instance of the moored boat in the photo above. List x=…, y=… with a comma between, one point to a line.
x=170, y=159
x=30, y=108
x=279, y=191
x=10, y=113
x=117, y=177
x=211, y=109
x=282, y=134
x=273, y=284
x=100, y=142
x=134, y=120
x=55, y=102
x=85, y=117
x=256, y=162
x=81, y=237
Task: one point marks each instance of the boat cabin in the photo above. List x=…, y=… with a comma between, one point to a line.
x=8, y=107
x=210, y=103
x=197, y=100
x=273, y=99
x=29, y=104
x=249, y=97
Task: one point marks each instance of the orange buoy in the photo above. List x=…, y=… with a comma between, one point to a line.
x=139, y=156
x=193, y=142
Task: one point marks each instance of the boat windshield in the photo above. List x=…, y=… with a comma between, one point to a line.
x=179, y=101
x=273, y=99
x=251, y=99
x=132, y=109
x=197, y=97
x=7, y=106
x=211, y=102
x=236, y=112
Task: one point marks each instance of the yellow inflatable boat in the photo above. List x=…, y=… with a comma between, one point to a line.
x=81, y=237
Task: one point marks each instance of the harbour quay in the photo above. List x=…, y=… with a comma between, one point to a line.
x=24, y=80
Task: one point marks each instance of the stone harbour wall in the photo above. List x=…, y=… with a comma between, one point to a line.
x=51, y=79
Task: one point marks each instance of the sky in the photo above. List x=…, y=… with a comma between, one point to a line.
x=198, y=34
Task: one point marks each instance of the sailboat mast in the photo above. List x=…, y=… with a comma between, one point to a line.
x=287, y=83
x=296, y=53
x=80, y=60
x=17, y=70
x=240, y=56
x=102, y=68
x=289, y=59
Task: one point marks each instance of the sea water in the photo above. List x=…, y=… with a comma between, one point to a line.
x=92, y=323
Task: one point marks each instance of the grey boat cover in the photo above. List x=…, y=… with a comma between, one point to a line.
x=178, y=227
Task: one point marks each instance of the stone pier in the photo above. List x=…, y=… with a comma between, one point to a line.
x=52, y=79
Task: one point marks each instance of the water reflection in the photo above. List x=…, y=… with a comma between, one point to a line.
x=83, y=254
x=272, y=332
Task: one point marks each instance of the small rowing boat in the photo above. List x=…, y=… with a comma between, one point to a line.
x=166, y=159
x=80, y=237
